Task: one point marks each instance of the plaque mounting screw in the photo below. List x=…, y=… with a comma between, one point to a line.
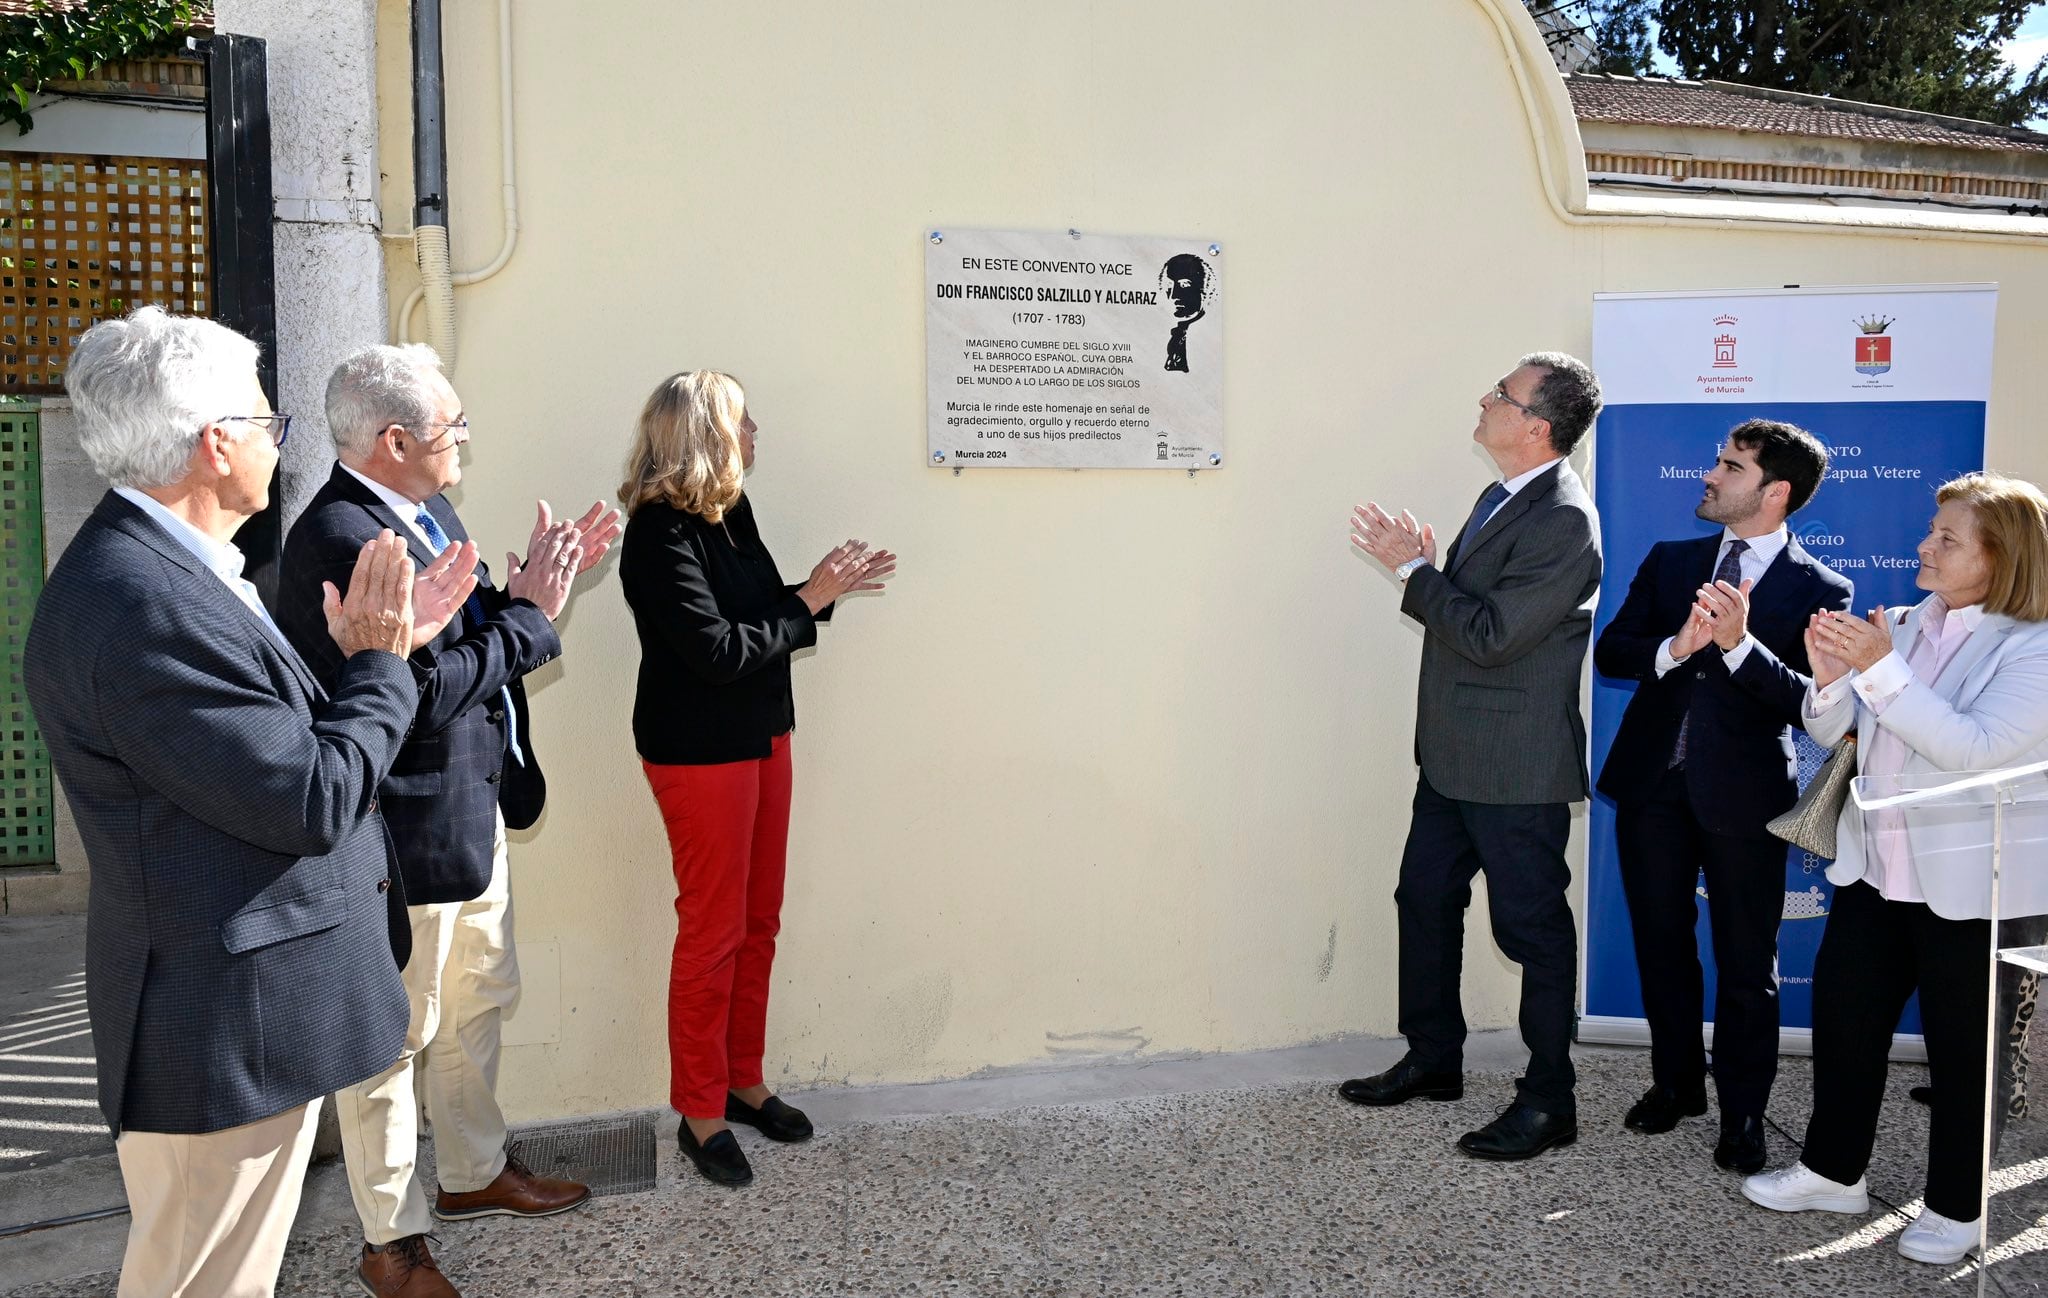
x=938, y=236
x=938, y=457
x=1215, y=458
x=1215, y=250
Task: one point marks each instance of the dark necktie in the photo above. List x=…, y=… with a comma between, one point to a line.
x=1482, y=512
x=473, y=617
x=1730, y=571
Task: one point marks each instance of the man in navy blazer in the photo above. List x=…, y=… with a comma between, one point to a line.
x=1711, y=629
x=238, y=963
x=466, y=773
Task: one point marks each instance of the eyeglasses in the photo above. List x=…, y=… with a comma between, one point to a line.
x=278, y=426
x=1500, y=393
x=455, y=425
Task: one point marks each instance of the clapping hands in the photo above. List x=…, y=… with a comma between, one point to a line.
x=849, y=566
x=377, y=612
x=598, y=528
x=1838, y=643
x=440, y=589
x=558, y=553
x=1393, y=541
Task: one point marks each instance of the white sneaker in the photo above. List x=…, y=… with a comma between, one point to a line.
x=1931, y=1237
x=1800, y=1189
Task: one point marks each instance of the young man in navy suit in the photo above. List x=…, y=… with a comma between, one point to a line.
x=1703, y=760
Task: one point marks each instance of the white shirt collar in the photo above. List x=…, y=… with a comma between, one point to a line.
x=408, y=511
x=220, y=557
x=1970, y=615
x=1522, y=480
x=1765, y=547
x=405, y=509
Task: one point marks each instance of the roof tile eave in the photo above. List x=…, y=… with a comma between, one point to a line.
x=1655, y=102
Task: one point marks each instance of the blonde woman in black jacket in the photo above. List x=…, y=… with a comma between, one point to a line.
x=712, y=718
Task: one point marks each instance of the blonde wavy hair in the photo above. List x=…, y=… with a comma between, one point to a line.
x=686, y=450
x=2012, y=526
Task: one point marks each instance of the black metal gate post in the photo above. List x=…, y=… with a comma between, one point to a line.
x=239, y=211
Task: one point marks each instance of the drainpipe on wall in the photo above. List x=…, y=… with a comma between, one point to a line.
x=430, y=179
x=430, y=239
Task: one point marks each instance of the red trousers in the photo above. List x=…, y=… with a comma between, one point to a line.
x=728, y=833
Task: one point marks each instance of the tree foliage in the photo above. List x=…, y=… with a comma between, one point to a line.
x=54, y=45
x=1620, y=33
x=1937, y=56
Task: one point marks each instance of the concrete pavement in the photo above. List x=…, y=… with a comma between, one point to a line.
x=1223, y=1175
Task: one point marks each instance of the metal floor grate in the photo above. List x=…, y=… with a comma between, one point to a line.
x=610, y=1155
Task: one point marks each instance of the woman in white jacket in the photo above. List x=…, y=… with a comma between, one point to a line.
x=1959, y=683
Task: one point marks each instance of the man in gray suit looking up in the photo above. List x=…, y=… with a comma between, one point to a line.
x=239, y=958
x=1502, y=748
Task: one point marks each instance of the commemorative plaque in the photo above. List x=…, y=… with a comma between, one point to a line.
x=1072, y=351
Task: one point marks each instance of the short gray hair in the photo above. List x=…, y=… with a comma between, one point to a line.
x=375, y=388
x=1568, y=396
x=143, y=387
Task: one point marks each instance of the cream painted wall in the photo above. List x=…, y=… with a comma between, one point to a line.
x=1120, y=764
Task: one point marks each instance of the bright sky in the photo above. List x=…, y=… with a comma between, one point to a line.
x=2027, y=48
x=2032, y=42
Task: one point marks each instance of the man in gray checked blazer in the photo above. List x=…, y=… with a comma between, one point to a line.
x=1502, y=748
x=239, y=960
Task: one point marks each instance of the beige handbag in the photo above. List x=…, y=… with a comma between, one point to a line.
x=1810, y=822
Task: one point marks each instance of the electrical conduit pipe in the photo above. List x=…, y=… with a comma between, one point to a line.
x=430, y=240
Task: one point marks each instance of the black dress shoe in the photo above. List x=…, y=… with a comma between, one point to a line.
x=1742, y=1145
x=718, y=1158
x=1921, y=1095
x=774, y=1119
x=1661, y=1107
x=1404, y=1081
x=1521, y=1132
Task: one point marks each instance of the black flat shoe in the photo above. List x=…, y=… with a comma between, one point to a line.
x=1661, y=1108
x=1521, y=1132
x=1403, y=1082
x=1741, y=1148
x=719, y=1158
x=774, y=1119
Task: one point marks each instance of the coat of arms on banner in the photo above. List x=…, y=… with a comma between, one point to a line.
x=1724, y=343
x=1873, y=349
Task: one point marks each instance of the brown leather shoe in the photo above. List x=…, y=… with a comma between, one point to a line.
x=517, y=1192
x=402, y=1269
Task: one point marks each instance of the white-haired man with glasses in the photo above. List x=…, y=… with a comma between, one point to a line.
x=239, y=963
x=467, y=772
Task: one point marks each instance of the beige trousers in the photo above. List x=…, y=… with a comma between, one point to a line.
x=209, y=1215
x=462, y=976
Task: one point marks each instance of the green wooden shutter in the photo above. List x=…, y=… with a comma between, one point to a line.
x=26, y=836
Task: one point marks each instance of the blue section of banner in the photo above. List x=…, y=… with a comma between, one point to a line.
x=1865, y=522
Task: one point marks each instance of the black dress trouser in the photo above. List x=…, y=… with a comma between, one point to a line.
x=1521, y=849
x=1663, y=851
x=1874, y=955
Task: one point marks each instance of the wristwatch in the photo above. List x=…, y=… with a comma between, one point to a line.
x=1407, y=570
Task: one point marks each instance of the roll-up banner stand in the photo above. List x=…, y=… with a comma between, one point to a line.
x=1894, y=379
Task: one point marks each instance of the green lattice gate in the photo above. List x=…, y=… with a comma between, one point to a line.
x=26, y=837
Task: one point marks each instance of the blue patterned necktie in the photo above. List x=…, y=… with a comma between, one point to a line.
x=1730, y=571
x=1488, y=503
x=473, y=617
